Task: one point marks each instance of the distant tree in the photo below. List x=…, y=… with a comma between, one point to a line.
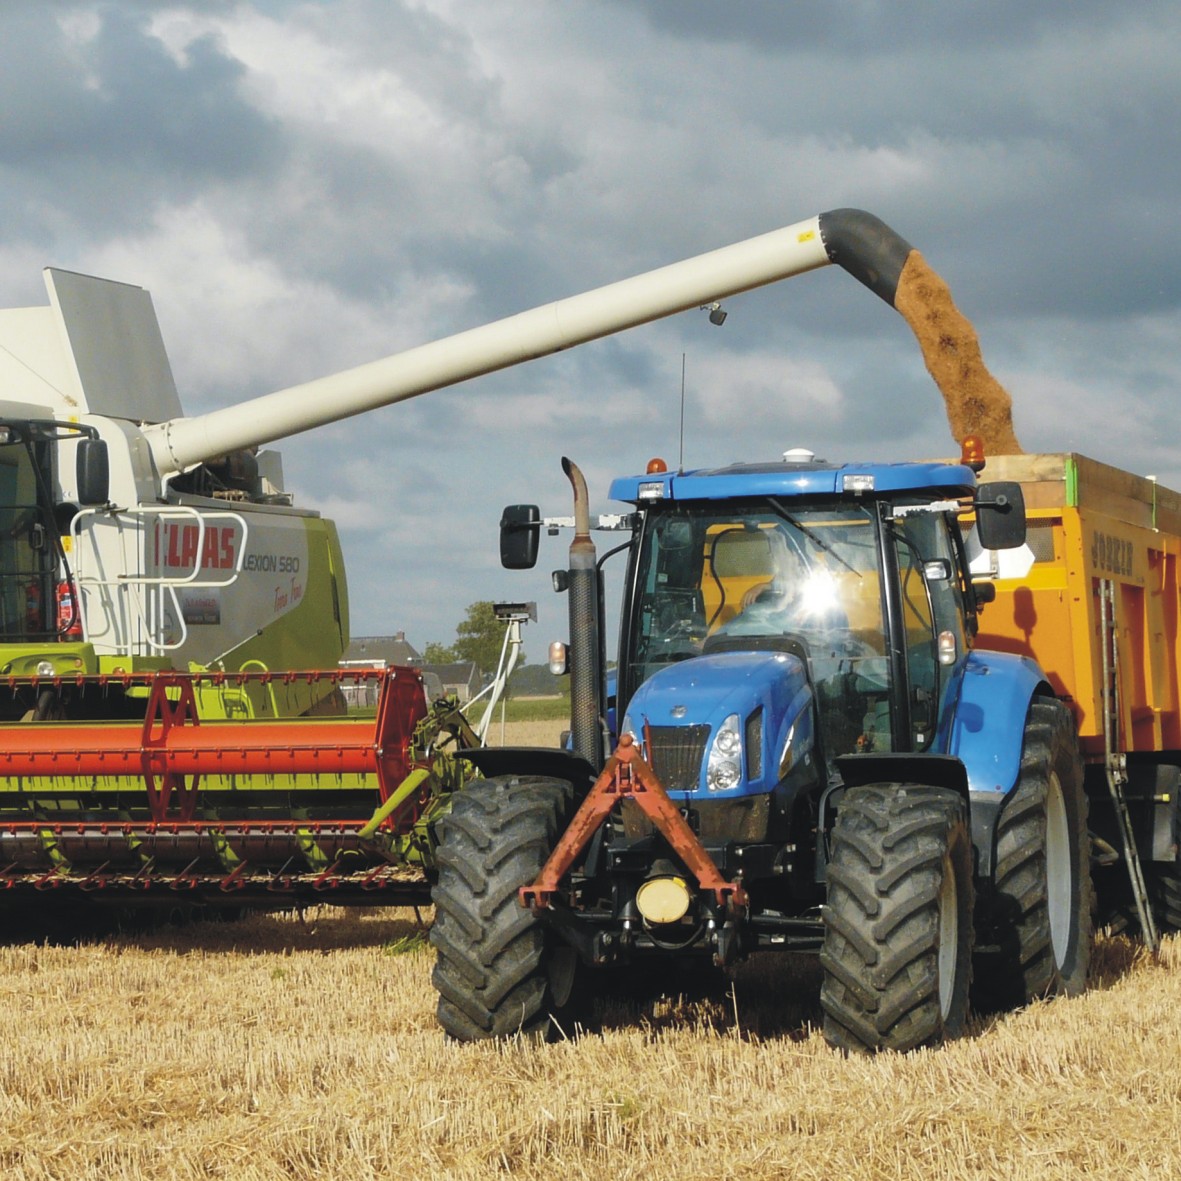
x=480, y=637
x=435, y=653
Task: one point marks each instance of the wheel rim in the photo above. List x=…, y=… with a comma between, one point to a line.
x=949, y=937
x=1059, y=870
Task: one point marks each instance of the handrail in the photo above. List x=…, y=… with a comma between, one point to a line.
x=135, y=518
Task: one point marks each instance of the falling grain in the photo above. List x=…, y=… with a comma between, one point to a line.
x=977, y=404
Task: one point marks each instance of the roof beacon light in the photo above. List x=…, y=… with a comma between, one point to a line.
x=973, y=453
x=656, y=466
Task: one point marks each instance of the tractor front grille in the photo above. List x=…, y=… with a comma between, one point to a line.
x=675, y=754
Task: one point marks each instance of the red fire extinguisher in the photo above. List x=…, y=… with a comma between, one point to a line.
x=69, y=618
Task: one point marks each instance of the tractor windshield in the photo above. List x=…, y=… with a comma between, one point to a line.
x=714, y=577
x=28, y=550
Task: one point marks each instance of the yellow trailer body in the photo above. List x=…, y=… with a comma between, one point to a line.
x=1097, y=535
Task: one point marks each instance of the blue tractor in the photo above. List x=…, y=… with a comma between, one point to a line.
x=809, y=755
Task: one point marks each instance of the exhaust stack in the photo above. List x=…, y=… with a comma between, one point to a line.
x=587, y=697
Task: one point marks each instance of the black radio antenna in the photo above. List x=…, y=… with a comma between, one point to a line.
x=681, y=460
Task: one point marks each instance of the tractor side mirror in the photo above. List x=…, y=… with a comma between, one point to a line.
x=1000, y=515
x=94, y=472
x=520, y=534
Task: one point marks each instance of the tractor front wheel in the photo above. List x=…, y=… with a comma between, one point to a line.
x=898, y=920
x=498, y=971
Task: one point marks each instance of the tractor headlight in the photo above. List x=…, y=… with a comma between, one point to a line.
x=724, y=769
x=45, y=668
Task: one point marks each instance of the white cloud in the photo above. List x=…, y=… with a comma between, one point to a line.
x=410, y=169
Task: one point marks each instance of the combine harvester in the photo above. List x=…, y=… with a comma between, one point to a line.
x=892, y=794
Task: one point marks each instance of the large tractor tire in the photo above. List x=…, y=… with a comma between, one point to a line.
x=1035, y=925
x=1165, y=882
x=498, y=971
x=898, y=921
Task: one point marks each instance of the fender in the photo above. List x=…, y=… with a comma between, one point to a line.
x=988, y=734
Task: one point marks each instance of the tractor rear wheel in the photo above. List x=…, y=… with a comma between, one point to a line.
x=498, y=970
x=1165, y=883
x=1035, y=925
x=898, y=920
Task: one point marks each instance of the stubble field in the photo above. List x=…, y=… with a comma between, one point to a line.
x=304, y=1046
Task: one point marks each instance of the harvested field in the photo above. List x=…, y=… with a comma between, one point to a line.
x=538, y=733
x=287, y=1048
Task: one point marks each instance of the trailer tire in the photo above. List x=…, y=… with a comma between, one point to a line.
x=1164, y=879
x=1035, y=924
x=897, y=947
x=498, y=970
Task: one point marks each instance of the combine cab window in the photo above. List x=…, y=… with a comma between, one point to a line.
x=713, y=579
x=27, y=551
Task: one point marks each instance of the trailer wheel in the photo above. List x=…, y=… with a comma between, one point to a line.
x=1035, y=924
x=1164, y=879
x=898, y=920
x=498, y=971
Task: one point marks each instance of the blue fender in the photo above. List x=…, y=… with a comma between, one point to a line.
x=988, y=729
x=988, y=734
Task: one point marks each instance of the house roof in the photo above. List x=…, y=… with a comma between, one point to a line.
x=454, y=674
x=382, y=649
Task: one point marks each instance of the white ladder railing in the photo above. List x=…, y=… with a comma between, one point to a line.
x=124, y=607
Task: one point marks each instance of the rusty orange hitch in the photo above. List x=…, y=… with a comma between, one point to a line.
x=627, y=776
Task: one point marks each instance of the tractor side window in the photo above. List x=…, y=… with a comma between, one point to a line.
x=671, y=622
x=932, y=610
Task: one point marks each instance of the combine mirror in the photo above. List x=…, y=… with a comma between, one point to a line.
x=94, y=472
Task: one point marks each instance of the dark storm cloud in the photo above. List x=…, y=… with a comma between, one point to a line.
x=859, y=25
x=313, y=185
x=1032, y=118
x=111, y=125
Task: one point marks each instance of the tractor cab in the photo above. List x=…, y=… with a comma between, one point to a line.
x=849, y=585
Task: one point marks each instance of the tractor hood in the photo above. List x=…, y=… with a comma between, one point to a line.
x=764, y=698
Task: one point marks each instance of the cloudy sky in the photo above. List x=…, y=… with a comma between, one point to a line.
x=307, y=186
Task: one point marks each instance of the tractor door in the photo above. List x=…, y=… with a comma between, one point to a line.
x=932, y=617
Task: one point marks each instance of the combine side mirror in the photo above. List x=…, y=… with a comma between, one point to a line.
x=520, y=534
x=1000, y=515
x=94, y=472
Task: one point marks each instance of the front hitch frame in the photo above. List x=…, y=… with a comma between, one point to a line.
x=628, y=776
